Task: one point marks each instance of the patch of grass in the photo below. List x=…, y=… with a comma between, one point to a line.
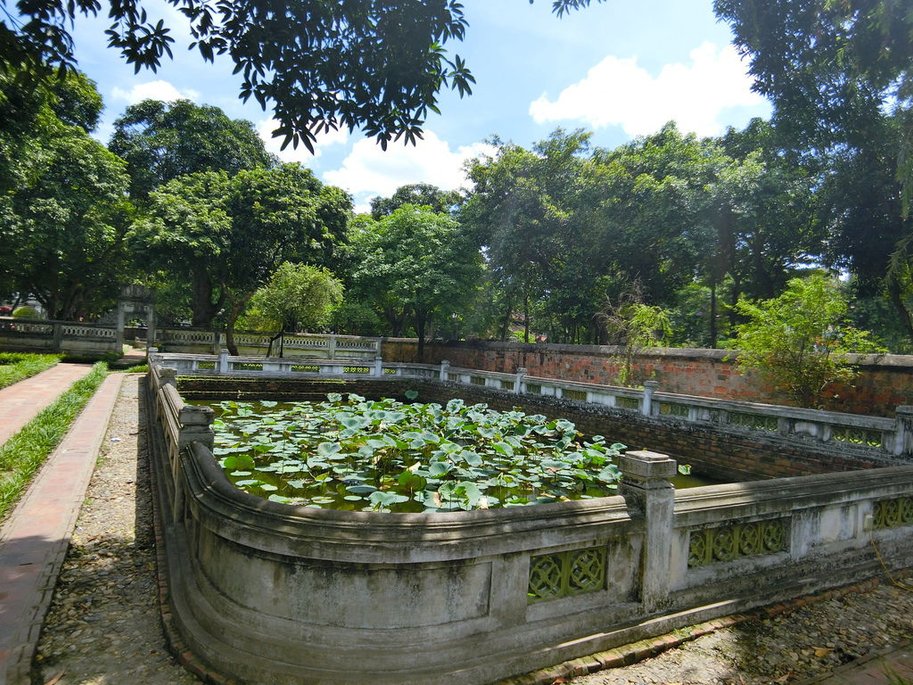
x=139, y=368
x=25, y=452
x=17, y=366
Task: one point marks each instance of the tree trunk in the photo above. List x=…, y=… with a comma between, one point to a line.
x=505, y=323
x=203, y=308
x=420, y=321
x=526, y=317
x=278, y=336
x=713, y=306
x=234, y=311
x=896, y=295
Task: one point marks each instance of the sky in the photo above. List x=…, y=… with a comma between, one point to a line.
x=618, y=69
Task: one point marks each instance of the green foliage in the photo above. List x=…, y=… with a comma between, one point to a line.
x=161, y=141
x=388, y=456
x=64, y=222
x=15, y=366
x=634, y=325
x=22, y=455
x=377, y=64
x=839, y=75
x=225, y=236
x=414, y=266
x=797, y=341
x=355, y=317
x=418, y=194
x=298, y=297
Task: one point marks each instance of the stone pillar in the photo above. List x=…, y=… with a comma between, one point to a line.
x=520, y=380
x=647, y=488
x=167, y=375
x=121, y=306
x=445, y=368
x=57, y=337
x=222, y=366
x=151, y=331
x=378, y=366
x=196, y=425
x=903, y=430
x=332, y=346
x=646, y=405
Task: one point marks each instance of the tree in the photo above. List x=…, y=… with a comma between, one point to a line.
x=765, y=218
x=522, y=210
x=161, y=141
x=634, y=325
x=26, y=113
x=225, y=236
x=824, y=64
x=373, y=63
x=840, y=77
x=797, y=341
x=418, y=194
x=414, y=266
x=297, y=297
x=63, y=212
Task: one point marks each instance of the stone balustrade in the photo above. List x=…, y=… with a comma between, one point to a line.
x=267, y=592
x=68, y=337
x=889, y=437
x=318, y=346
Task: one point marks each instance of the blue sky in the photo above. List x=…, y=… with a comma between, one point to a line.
x=619, y=69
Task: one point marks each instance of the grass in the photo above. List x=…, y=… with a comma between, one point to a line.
x=17, y=366
x=139, y=368
x=23, y=454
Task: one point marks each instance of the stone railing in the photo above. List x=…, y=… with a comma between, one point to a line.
x=888, y=437
x=68, y=337
x=267, y=592
x=319, y=346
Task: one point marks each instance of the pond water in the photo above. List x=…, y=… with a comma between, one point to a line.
x=354, y=454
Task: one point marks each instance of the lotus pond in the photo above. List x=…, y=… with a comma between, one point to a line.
x=351, y=453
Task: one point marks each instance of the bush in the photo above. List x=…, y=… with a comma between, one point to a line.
x=798, y=341
x=25, y=312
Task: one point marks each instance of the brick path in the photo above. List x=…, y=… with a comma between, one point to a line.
x=34, y=539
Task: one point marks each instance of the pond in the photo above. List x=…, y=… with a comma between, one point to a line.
x=351, y=453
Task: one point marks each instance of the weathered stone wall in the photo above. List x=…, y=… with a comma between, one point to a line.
x=265, y=592
x=885, y=381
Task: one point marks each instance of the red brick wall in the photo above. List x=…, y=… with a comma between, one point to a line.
x=884, y=382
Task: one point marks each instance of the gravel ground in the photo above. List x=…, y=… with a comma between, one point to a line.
x=792, y=647
x=103, y=625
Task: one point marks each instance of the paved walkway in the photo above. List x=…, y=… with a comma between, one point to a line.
x=34, y=540
x=20, y=402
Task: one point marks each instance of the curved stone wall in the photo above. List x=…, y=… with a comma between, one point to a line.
x=266, y=592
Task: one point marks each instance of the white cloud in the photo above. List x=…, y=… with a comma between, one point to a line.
x=618, y=92
x=153, y=90
x=369, y=171
x=300, y=154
